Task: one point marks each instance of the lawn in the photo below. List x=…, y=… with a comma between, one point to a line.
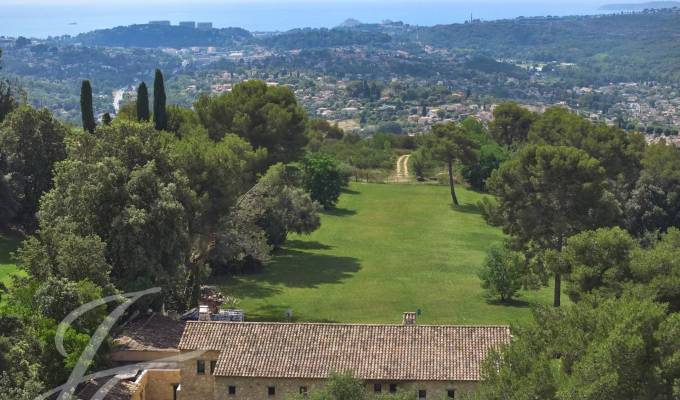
x=385, y=250
x=7, y=268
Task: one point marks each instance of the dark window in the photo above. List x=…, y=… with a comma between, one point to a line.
x=422, y=394
x=393, y=388
x=174, y=391
x=451, y=393
x=232, y=390
x=377, y=387
x=303, y=390
x=213, y=364
x=271, y=390
x=200, y=367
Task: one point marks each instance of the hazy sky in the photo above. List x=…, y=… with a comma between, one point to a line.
x=224, y=2
x=42, y=18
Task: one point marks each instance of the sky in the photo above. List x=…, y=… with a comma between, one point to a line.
x=42, y=18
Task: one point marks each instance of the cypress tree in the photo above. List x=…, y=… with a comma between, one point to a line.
x=159, y=113
x=86, y=108
x=143, y=103
x=106, y=119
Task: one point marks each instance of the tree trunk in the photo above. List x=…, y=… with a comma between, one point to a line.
x=558, y=289
x=453, y=190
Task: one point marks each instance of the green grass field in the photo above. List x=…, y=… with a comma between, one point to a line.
x=7, y=268
x=385, y=250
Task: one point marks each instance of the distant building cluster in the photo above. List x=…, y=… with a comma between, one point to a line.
x=204, y=26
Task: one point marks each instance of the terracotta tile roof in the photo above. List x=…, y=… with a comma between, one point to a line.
x=153, y=333
x=121, y=391
x=371, y=352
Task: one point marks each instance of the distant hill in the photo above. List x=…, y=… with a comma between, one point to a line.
x=321, y=38
x=350, y=23
x=640, y=6
x=157, y=36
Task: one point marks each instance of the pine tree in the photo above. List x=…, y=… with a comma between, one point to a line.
x=159, y=112
x=106, y=119
x=143, y=103
x=86, y=107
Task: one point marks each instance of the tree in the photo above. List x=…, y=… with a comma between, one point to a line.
x=655, y=201
x=7, y=101
x=420, y=160
x=449, y=143
x=321, y=178
x=546, y=194
x=86, y=107
x=181, y=120
x=597, y=349
x=278, y=205
x=31, y=142
x=143, y=113
x=503, y=272
x=491, y=156
x=267, y=117
x=120, y=187
x=511, y=124
x=341, y=386
x=619, y=152
x=106, y=119
x=599, y=259
x=324, y=129
x=159, y=112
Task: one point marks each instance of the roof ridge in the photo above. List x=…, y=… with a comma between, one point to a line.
x=344, y=324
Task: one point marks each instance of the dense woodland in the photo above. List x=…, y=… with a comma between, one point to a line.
x=168, y=196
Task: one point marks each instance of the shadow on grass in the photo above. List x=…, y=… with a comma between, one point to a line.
x=291, y=268
x=299, y=269
x=241, y=287
x=510, y=303
x=8, y=244
x=340, y=212
x=467, y=208
x=349, y=191
x=306, y=245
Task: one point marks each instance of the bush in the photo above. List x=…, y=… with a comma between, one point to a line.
x=322, y=179
x=502, y=273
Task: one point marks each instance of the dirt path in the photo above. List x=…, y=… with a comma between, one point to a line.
x=401, y=174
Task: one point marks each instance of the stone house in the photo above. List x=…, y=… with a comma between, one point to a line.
x=257, y=361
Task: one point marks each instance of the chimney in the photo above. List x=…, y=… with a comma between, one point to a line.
x=203, y=313
x=409, y=318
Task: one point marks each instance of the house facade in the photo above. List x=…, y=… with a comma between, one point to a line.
x=256, y=361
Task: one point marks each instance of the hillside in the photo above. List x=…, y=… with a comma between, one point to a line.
x=386, y=249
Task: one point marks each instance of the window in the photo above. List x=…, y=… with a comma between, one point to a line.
x=377, y=387
x=451, y=393
x=200, y=367
x=303, y=390
x=174, y=391
x=213, y=364
x=271, y=390
x=232, y=390
x=393, y=388
x=422, y=394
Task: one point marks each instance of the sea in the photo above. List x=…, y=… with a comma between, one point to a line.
x=55, y=18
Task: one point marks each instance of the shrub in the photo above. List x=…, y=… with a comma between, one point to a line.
x=502, y=273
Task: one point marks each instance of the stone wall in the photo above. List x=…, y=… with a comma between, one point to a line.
x=257, y=388
x=196, y=386
x=156, y=384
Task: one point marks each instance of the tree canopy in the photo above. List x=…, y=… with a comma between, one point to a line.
x=267, y=117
